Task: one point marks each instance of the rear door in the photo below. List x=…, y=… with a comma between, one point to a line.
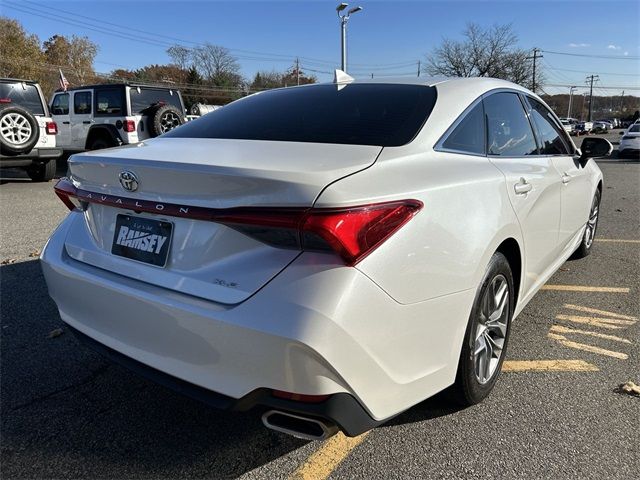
x=533, y=184
x=60, y=115
x=576, y=183
x=81, y=117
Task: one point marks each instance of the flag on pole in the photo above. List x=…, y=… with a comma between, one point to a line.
x=64, y=84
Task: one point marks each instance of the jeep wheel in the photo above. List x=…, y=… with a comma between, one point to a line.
x=163, y=118
x=39, y=172
x=19, y=130
x=99, y=143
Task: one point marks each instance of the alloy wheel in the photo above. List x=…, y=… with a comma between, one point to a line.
x=491, y=330
x=15, y=129
x=169, y=121
x=592, y=224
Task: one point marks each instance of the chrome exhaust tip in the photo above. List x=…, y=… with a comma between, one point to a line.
x=298, y=426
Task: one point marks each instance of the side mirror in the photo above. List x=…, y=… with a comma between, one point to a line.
x=594, y=147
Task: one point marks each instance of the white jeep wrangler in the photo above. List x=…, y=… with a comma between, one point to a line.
x=27, y=133
x=110, y=115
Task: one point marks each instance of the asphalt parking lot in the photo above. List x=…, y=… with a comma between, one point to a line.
x=555, y=413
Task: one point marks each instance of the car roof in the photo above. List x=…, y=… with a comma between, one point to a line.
x=17, y=80
x=120, y=84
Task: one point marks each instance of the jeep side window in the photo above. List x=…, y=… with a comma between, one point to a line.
x=109, y=102
x=60, y=105
x=82, y=103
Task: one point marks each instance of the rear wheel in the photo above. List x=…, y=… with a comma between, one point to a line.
x=42, y=172
x=99, y=143
x=590, y=230
x=487, y=335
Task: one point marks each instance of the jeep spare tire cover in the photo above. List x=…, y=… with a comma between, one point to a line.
x=19, y=130
x=163, y=118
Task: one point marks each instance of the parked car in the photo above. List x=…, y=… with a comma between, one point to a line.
x=27, y=133
x=601, y=127
x=630, y=142
x=102, y=116
x=583, y=128
x=568, y=126
x=335, y=253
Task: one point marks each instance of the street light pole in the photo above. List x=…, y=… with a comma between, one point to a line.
x=343, y=25
x=570, y=98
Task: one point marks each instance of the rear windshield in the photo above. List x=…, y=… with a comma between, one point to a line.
x=634, y=129
x=23, y=95
x=148, y=97
x=358, y=114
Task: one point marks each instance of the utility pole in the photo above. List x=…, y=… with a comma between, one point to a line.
x=570, y=99
x=534, y=58
x=621, y=102
x=297, y=71
x=418, y=67
x=590, y=79
x=343, y=22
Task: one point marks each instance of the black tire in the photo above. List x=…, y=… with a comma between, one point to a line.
x=100, y=142
x=586, y=244
x=468, y=388
x=42, y=172
x=163, y=118
x=8, y=117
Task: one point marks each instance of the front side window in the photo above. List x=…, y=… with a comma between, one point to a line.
x=82, y=103
x=549, y=134
x=21, y=94
x=109, y=102
x=509, y=132
x=357, y=114
x=469, y=135
x=60, y=105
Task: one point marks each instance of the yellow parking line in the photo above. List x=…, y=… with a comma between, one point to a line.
x=561, y=329
x=610, y=323
x=587, y=348
x=599, y=312
x=548, y=366
x=616, y=240
x=327, y=458
x=584, y=288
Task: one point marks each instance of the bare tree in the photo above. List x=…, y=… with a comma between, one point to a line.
x=490, y=52
x=217, y=65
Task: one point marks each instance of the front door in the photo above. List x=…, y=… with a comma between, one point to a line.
x=576, y=184
x=60, y=115
x=81, y=117
x=532, y=183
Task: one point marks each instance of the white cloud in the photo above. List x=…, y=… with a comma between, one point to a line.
x=614, y=47
x=579, y=45
x=626, y=54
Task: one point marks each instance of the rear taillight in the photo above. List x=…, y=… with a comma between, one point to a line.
x=129, y=126
x=5, y=100
x=51, y=128
x=351, y=232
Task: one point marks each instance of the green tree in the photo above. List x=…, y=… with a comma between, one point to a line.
x=74, y=56
x=20, y=54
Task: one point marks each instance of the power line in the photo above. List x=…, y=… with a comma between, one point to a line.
x=613, y=57
x=601, y=73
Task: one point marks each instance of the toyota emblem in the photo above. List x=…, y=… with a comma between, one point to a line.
x=129, y=180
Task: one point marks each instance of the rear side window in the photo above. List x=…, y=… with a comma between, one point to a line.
x=23, y=95
x=549, y=134
x=509, y=132
x=60, y=105
x=358, y=114
x=82, y=103
x=109, y=102
x=143, y=98
x=469, y=135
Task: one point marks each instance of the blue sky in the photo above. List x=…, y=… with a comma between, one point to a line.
x=387, y=37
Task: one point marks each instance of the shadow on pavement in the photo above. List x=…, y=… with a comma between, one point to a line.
x=67, y=412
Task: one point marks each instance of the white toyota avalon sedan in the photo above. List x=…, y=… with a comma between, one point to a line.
x=332, y=254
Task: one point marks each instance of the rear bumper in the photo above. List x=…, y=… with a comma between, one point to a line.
x=25, y=159
x=315, y=329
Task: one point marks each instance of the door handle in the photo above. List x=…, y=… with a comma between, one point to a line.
x=566, y=178
x=86, y=122
x=66, y=123
x=522, y=187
